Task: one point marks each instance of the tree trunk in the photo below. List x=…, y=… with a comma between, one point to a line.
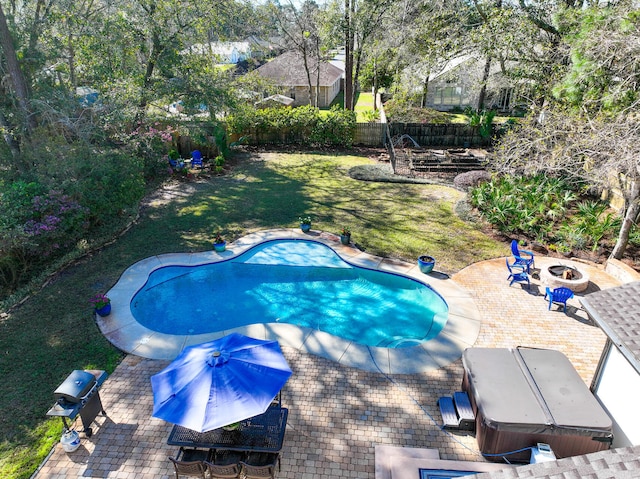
x=483, y=88
x=630, y=218
x=72, y=63
x=11, y=142
x=15, y=73
x=348, y=56
x=146, y=84
x=375, y=85
x=425, y=90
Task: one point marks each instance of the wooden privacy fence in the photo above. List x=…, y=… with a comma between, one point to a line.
x=425, y=134
x=449, y=135
x=370, y=134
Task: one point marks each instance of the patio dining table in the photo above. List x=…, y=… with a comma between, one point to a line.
x=262, y=433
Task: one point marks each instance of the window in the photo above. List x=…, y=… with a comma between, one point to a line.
x=448, y=96
x=505, y=98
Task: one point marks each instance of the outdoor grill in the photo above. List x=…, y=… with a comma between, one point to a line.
x=79, y=394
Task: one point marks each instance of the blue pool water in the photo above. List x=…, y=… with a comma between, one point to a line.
x=291, y=281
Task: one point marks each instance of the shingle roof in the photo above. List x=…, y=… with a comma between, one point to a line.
x=622, y=463
x=288, y=70
x=617, y=312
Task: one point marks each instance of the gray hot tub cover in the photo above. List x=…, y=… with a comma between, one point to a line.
x=534, y=391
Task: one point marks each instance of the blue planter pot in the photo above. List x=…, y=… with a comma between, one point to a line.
x=345, y=239
x=426, y=263
x=305, y=228
x=220, y=247
x=104, y=311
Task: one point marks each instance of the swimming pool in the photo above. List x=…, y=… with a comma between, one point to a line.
x=300, y=282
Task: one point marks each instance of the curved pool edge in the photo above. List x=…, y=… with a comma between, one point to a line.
x=460, y=332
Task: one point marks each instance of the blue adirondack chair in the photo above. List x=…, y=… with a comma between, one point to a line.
x=523, y=258
x=558, y=295
x=517, y=276
x=196, y=159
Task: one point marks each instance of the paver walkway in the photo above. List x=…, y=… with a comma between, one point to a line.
x=338, y=414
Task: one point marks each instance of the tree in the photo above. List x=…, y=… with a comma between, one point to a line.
x=592, y=133
x=360, y=20
x=18, y=81
x=302, y=35
x=601, y=151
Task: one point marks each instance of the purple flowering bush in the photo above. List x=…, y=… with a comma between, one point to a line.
x=58, y=222
x=35, y=226
x=150, y=142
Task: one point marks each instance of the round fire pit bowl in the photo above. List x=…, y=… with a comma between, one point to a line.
x=570, y=277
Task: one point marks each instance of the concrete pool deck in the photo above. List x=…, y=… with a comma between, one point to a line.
x=460, y=332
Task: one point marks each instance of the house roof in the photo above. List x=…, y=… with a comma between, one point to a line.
x=449, y=66
x=619, y=463
x=617, y=313
x=275, y=100
x=288, y=70
x=218, y=48
x=258, y=42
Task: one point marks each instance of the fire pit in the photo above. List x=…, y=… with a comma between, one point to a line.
x=562, y=275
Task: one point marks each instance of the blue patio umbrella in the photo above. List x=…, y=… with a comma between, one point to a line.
x=220, y=382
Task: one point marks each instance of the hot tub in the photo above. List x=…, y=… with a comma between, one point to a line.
x=525, y=396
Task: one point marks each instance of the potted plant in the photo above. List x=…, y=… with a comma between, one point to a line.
x=219, y=244
x=305, y=223
x=101, y=304
x=173, y=157
x=234, y=426
x=426, y=263
x=345, y=235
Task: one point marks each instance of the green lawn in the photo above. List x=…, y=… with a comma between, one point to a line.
x=53, y=332
x=364, y=102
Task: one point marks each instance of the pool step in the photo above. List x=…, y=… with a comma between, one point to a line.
x=465, y=411
x=457, y=412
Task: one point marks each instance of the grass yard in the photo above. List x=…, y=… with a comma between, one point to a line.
x=53, y=332
x=364, y=102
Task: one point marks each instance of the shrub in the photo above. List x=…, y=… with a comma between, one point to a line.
x=471, y=179
x=400, y=112
x=35, y=228
x=69, y=191
x=302, y=125
x=371, y=116
x=529, y=205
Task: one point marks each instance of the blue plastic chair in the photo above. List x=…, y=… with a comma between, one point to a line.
x=558, y=295
x=523, y=258
x=517, y=276
x=196, y=158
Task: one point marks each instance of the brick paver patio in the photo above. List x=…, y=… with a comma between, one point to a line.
x=337, y=414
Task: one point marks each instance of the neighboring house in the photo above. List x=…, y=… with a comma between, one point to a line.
x=456, y=85
x=260, y=49
x=287, y=72
x=274, y=101
x=222, y=52
x=338, y=60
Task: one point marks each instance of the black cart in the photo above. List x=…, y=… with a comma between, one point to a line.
x=79, y=394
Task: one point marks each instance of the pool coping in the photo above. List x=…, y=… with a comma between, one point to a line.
x=460, y=332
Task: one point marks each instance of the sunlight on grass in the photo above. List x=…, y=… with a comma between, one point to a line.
x=53, y=332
